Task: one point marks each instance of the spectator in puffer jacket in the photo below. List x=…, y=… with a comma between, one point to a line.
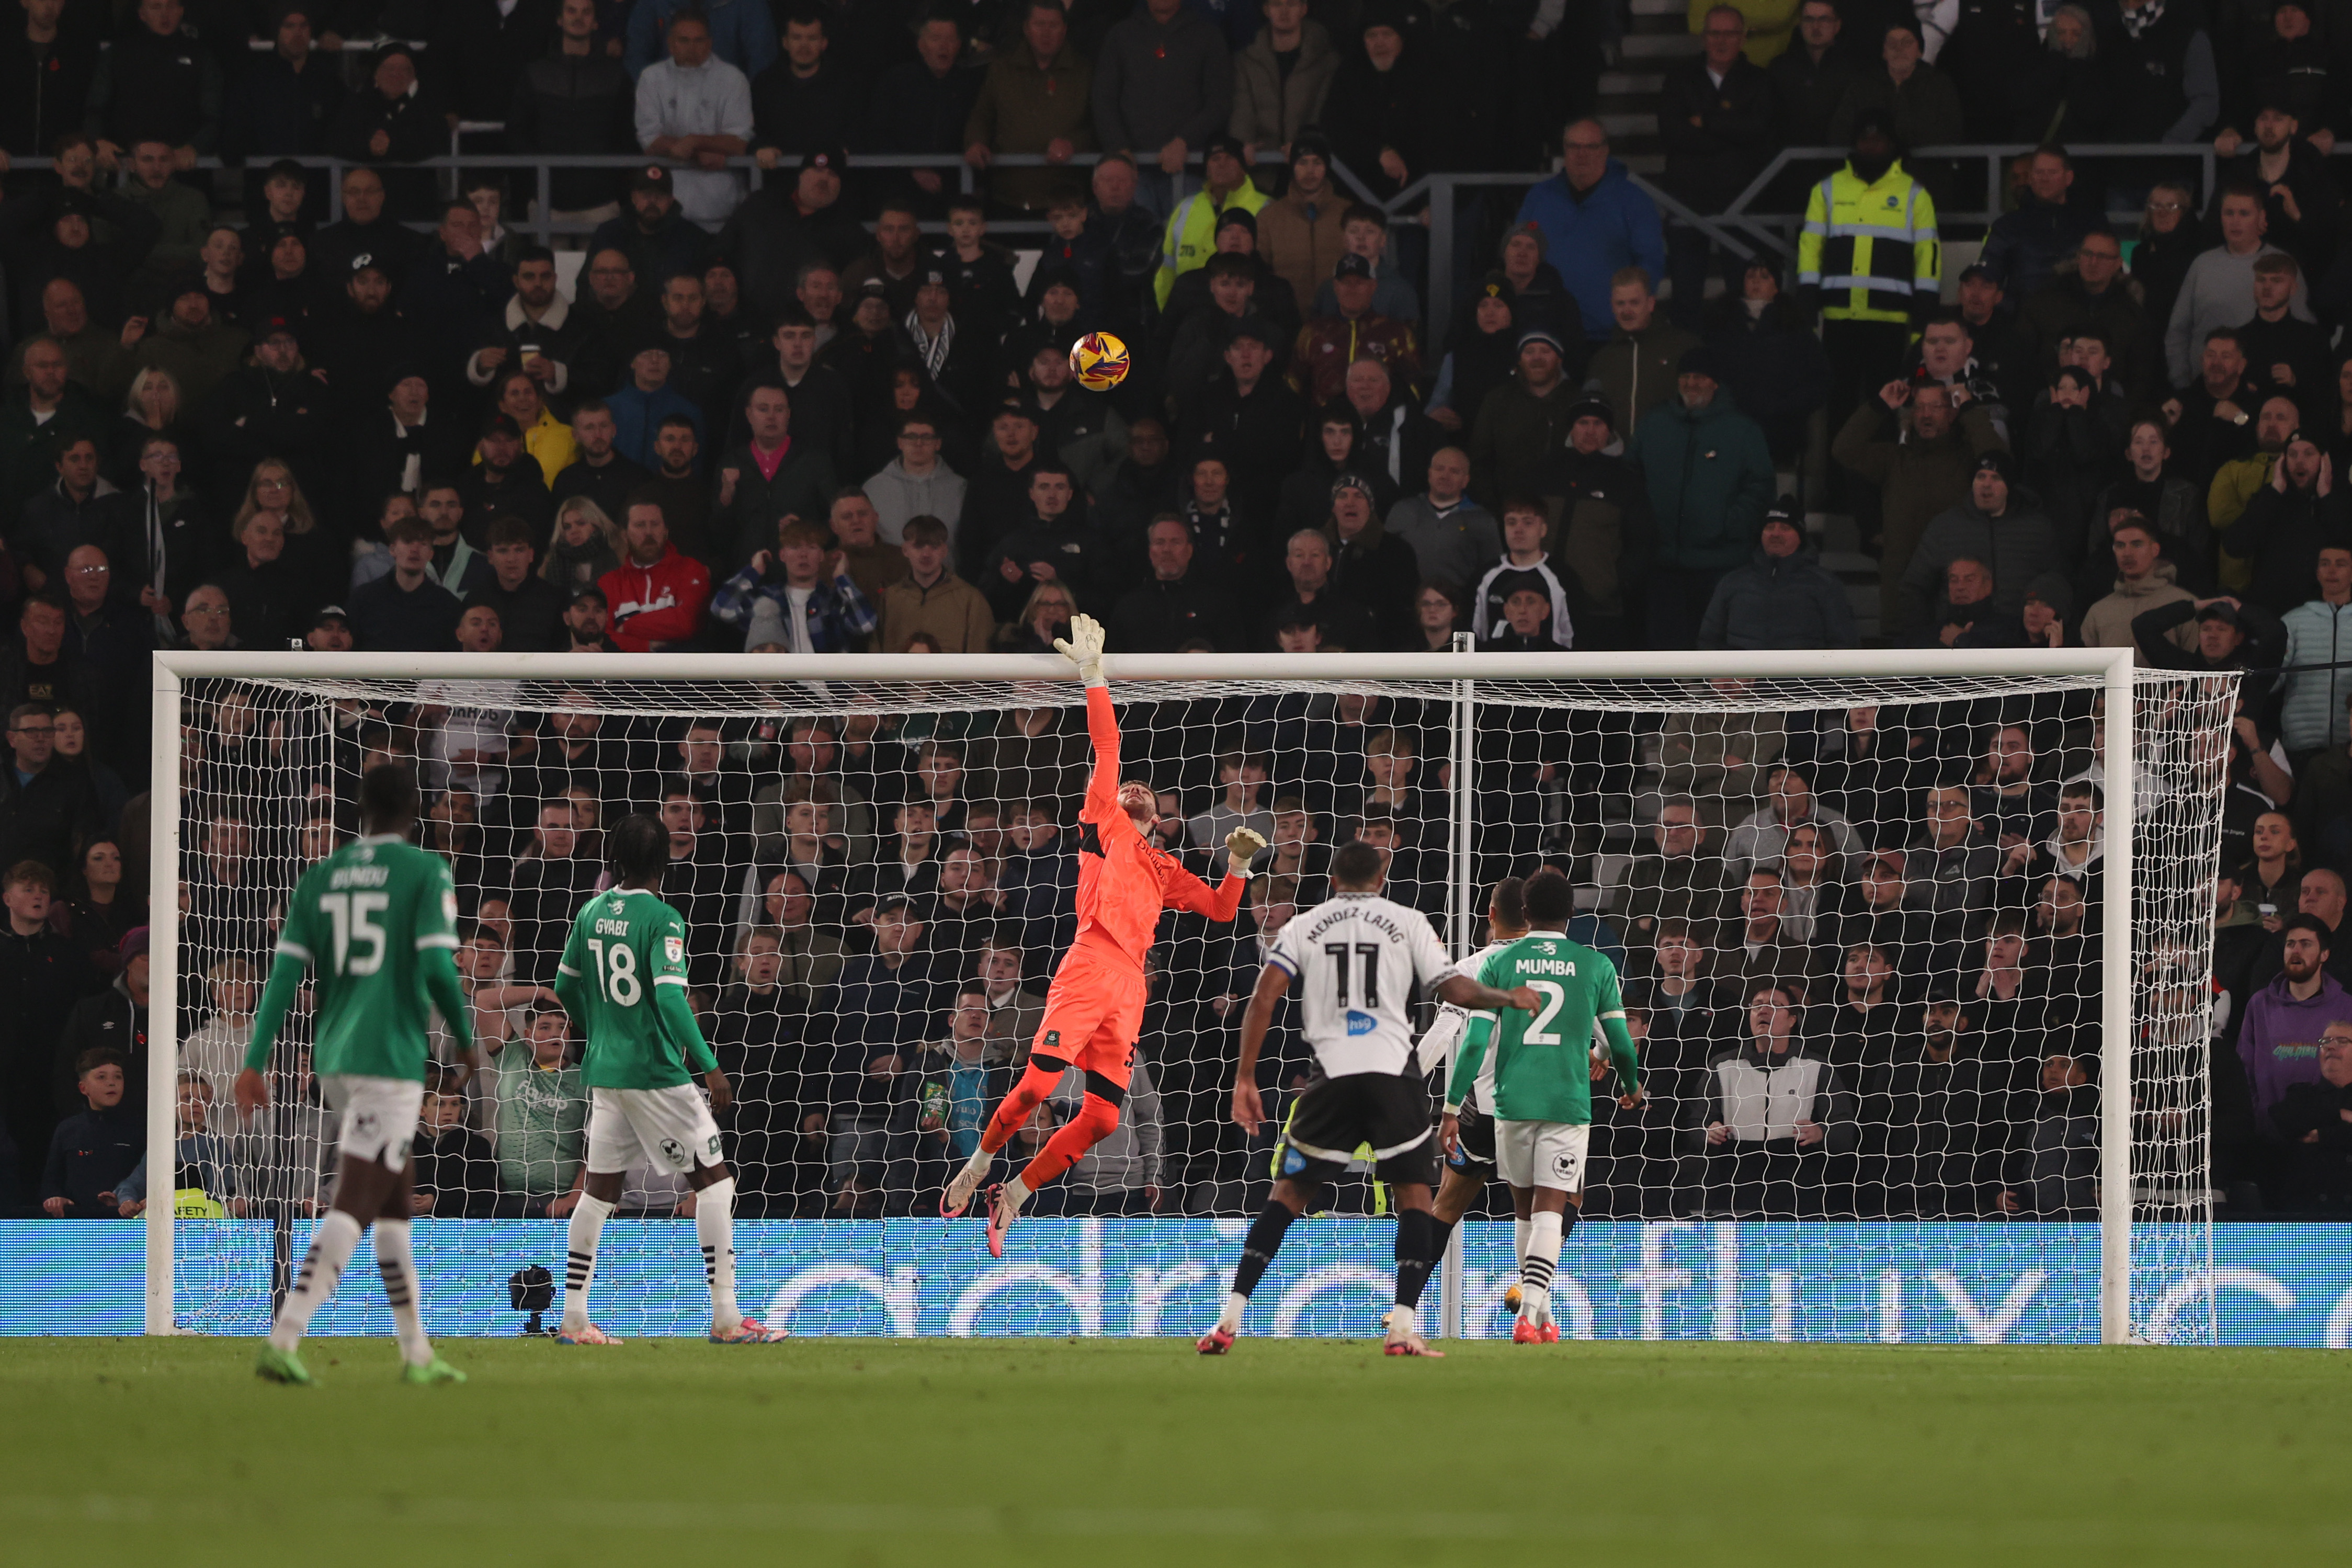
x=657, y=595
x=1709, y=479
x=1782, y=598
x=2000, y=524
x=2319, y=635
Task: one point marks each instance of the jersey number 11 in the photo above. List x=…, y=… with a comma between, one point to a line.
x=1370, y=952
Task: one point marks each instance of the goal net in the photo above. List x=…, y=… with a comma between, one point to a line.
x=1921, y=1003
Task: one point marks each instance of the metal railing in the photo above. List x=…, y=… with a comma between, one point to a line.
x=1743, y=227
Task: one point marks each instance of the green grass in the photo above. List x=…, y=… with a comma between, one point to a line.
x=1108, y=1452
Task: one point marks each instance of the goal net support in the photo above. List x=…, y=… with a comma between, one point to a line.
x=1916, y=945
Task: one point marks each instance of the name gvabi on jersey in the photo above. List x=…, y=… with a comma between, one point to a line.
x=607, y=926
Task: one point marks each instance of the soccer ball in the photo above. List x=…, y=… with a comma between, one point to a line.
x=1100, y=361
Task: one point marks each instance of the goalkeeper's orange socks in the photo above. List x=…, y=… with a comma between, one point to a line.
x=1097, y=1120
x=395, y=1260
x=322, y=1270
x=1265, y=1234
x=1043, y=1073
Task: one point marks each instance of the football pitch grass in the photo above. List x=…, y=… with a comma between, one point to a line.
x=1113, y=1452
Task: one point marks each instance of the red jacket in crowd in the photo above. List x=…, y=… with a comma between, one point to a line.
x=658, y=605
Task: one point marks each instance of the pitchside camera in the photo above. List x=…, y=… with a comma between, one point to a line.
x=531, y=1291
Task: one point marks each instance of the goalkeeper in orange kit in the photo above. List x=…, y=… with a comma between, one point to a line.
x=1094, y=1009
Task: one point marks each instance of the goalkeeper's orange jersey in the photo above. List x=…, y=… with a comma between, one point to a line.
x=1123, y=882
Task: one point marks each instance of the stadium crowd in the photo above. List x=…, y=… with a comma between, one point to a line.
x=833, y=415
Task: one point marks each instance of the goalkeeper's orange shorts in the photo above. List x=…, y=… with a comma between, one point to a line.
x=1093, y=1011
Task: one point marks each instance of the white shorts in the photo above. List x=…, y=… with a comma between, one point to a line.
x=667, y=1129
x=379, y=1116
x=1541, y=1153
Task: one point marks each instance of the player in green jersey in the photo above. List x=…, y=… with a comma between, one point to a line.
x=622, y=981
x=376, y=922
x=1543, y=1081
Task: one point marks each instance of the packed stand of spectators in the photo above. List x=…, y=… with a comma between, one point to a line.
x=832, y=414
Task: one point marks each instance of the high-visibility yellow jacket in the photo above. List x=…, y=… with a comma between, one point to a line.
x=1191, y=237
x=1871, y=249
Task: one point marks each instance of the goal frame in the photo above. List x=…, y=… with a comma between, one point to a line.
x=2116, y=666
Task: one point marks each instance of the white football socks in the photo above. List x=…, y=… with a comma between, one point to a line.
x=1230, y=1320
x=1014, y=1194
x=322, y=1270
x=587, y=1226
x=714, y=1226
x=395, y=1260
x=1535, y=1269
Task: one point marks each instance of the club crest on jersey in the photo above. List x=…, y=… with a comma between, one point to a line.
x=1054, y=1040
x=674, y=949
x=1360, y=1023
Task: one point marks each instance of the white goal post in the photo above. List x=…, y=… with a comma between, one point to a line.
x=1925, y=674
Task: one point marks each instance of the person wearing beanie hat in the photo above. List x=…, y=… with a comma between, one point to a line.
x=1191, y=237
x=1782, y=598
x=1199, y=307
x=1710, y=478
x=1523, y=421
x=1486, y=341
x=1600, y=523
x=2287, y=522
x=1872, y=219
x=1302, y=234
x=2000, y=524
x=1250, y=418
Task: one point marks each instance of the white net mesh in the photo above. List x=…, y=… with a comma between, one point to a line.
x=1859, y=923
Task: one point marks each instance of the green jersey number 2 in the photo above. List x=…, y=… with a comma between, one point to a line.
x=359, y=941
x=616, y=973
x=1539, y=1032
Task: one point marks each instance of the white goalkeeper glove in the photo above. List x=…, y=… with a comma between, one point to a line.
x=1242, y=847
x=1084, y=648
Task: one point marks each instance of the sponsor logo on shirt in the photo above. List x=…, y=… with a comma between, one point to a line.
x=1360, y=1023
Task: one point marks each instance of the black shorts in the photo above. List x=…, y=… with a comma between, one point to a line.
x=1474, y=1153
x=1334, y=1118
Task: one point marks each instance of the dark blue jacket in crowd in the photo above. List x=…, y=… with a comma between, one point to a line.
x=89, y=1154
x=1780, y=602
